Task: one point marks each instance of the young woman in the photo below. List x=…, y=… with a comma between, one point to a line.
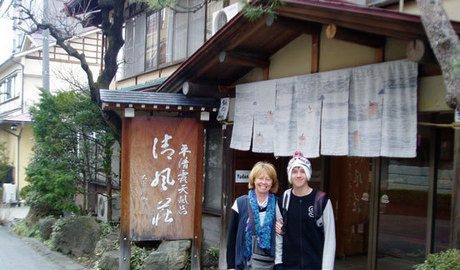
x=261, y=204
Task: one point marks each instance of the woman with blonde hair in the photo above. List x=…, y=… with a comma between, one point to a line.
x=252, y=242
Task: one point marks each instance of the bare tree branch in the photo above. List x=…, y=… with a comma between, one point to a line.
x=445, y=44
x=61, y=30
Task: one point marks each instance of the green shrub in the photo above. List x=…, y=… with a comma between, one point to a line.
x=45, y=226
x=138, y=256
x=5, y=165
x=107, y=229
x=446, y=260
x=22, y=229
x=211, y=258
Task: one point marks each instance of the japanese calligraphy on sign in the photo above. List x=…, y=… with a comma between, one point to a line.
x=163, y=176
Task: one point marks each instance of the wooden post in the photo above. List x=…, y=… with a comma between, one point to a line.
x=197, y=235
x=227, y=193
x=315, y=43
x=125, y=240
x=455, y=220
x=374, y=214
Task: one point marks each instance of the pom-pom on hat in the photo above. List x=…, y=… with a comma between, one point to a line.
x=299, y=160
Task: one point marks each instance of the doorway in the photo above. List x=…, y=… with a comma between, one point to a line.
x=415, y=198
x=349, y=188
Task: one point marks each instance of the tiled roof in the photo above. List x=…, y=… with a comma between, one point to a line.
x=24, y=117
x=156, y=101
x=148, y=84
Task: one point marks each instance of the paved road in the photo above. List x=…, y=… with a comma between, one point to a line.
x=16, y=254
x=28, y=253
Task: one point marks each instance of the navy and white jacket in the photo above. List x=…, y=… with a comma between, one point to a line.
x=305, y=245
x=239, y=218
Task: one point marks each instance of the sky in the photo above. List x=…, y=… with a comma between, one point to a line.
x=6, y=33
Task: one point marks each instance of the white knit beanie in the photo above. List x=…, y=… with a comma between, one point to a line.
x=299, y=160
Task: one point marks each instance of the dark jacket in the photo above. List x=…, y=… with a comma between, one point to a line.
x=236, y=235
x=303, y=241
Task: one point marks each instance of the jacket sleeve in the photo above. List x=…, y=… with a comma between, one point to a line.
x=231, y=238
x=329, y=237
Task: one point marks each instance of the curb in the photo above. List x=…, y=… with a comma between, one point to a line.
x=63, y=261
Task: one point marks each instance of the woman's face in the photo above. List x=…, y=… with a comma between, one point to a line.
x=298, y=177
x=263, y=183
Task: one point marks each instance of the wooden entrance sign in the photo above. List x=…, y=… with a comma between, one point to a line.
x=162, y=165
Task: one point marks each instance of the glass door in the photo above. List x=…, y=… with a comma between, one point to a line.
x=403, y=207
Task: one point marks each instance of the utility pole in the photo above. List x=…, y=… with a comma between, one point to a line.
x=46, y=53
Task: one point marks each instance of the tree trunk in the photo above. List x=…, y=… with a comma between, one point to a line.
x=109, y=197
x=445, y=44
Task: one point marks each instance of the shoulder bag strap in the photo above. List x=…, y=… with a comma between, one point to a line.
x=318, y=208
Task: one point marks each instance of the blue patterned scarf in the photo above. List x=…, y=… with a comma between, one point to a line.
x=263, y=232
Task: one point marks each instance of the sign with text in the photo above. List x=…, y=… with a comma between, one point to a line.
x=242, y=176
x=163, y=176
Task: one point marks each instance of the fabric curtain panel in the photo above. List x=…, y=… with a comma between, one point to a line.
x=399, y=112
x=334, y=116
x=364, y=111
x=285, y=118
x=254, y=114
x=309, y=102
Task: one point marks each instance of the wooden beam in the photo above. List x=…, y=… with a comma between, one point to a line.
x=265, y=73
x=241, y=37
x=315, y=47
x=379, y=55
x=349, y=17
x=421, y=52
x=200, y=90
x=303, y=27
x=243, y=59
x=361, y=38
x=227, y=91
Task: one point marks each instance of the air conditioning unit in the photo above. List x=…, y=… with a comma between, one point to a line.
x=222, y=16
x=102, y=207
x=9, y=193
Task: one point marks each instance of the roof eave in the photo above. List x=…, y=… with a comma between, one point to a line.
x=306, y=10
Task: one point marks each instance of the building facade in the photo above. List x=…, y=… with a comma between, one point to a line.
x=21, y=82
x=392, y=209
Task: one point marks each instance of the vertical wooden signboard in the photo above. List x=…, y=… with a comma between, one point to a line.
x=163, y=164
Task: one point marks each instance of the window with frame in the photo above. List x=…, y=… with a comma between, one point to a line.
x=151, y=40
x=8, y=89
x=156, y=39
x=212, y=192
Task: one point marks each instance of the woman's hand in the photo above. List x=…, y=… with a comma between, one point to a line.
x=279, y=226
